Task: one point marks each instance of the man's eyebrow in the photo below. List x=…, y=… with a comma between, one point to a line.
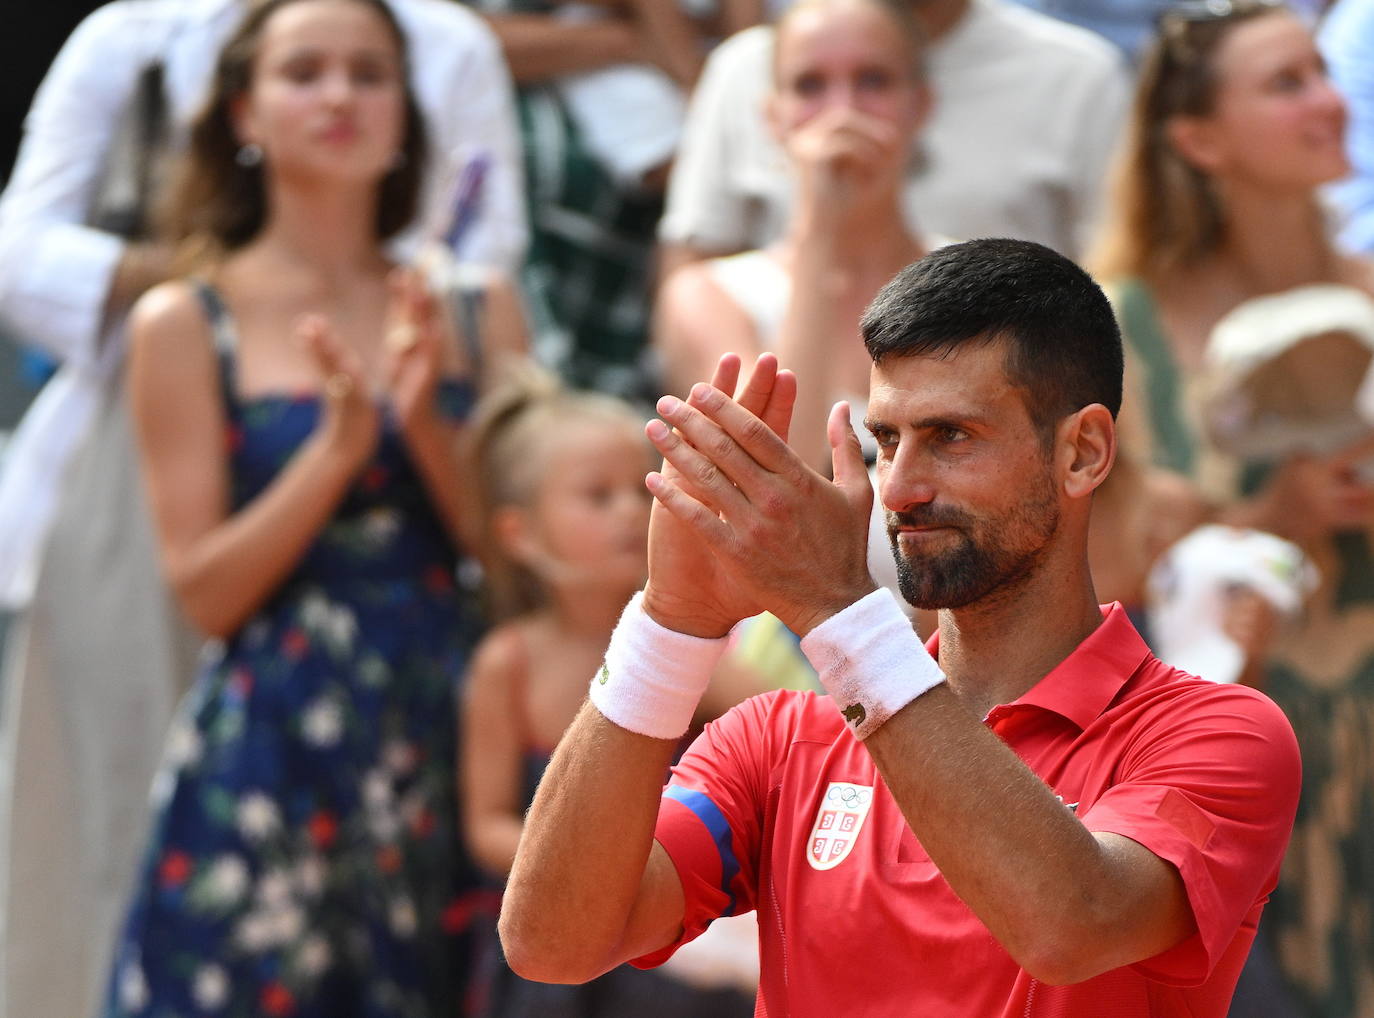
x=924, y=423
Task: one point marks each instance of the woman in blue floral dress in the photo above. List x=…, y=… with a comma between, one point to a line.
x=298, y=408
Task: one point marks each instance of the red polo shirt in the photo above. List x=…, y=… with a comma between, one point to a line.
x=777, y=807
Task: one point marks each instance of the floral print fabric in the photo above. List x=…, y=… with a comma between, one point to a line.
x=305, y=857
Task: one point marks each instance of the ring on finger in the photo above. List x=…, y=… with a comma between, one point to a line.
x=338, y=385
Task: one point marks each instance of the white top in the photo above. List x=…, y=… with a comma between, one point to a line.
x=1026, y=115
x=758, y=283
x=55, y=272
x=629, y=115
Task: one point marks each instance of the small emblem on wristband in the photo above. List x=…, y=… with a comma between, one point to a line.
x=840, y=818
x=604, y=675
x=854, y=714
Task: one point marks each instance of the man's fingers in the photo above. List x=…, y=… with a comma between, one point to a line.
x=725, y=378
x=726, y=375
x=758, y=388
x=686, y=509
x=769, y=394
x=847, y=457
x=846, y=453
x=701, y=474
x=778, y=413
x=757, y=440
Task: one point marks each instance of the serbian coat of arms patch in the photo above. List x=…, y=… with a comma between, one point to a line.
x=844, y=806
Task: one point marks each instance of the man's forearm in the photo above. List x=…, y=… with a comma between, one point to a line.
x=1065, y=904
x=573, y=904
x=540, y=47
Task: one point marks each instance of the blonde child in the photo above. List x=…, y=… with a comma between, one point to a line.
x=565, y=519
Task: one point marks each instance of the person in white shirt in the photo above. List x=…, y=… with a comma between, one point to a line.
x=1026, y=112
x=97, y=658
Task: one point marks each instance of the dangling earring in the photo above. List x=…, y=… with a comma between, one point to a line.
x=249, y=155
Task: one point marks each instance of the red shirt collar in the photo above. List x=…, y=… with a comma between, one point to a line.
x=1081, y=686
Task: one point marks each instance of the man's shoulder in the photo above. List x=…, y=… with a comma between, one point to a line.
x=1160, y=693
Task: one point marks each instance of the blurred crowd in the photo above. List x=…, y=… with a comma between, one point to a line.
x=347, y=315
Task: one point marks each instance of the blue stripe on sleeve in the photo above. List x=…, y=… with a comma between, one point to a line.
x=710, y=815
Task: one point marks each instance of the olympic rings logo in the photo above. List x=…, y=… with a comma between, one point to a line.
x=849, y=796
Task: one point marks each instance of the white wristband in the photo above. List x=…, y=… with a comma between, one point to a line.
x=871, y=661
x=653, y=677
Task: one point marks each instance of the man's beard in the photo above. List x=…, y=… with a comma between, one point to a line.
x=988, y=556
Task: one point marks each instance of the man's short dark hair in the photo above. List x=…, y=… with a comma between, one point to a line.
x=1063, y=343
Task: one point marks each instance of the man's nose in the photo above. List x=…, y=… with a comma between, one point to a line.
x=902, y=483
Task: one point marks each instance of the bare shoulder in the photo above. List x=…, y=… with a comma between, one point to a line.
x=167, y=316
x=692, y=302
x=688, y=285
x=501, y=657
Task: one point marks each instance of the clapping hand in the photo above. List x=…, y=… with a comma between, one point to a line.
x=349, y=421
x=417, y=336
x=741, y=524
x=686, y=590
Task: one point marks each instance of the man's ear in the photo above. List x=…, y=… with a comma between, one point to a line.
x=1087, y=449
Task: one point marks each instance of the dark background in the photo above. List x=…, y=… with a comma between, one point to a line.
x=36, y=32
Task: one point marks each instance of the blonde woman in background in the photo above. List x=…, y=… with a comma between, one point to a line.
x=849, y=96
x=1235, y=128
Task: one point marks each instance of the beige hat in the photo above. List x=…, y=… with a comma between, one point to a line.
x=1292, y=372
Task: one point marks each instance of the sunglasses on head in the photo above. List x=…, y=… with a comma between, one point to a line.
x=1174, y=21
